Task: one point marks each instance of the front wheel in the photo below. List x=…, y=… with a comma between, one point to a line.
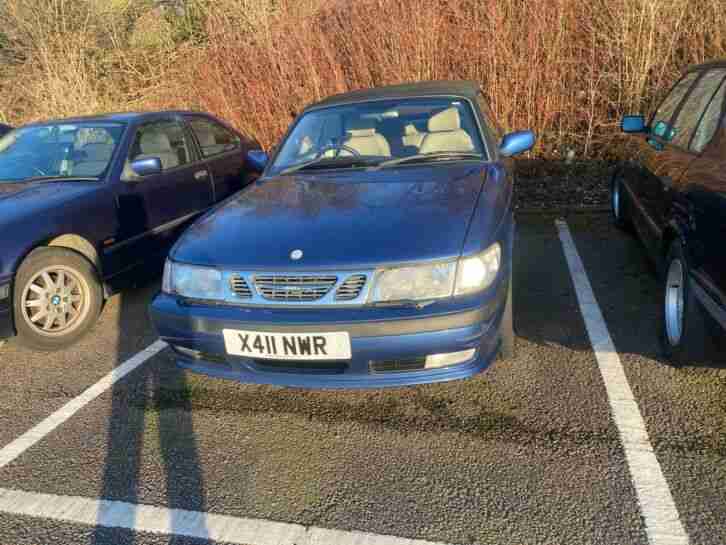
x=684, y=328
x=57, y=299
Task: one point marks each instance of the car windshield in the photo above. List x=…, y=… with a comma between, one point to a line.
x=379, y=132
x=58, y=151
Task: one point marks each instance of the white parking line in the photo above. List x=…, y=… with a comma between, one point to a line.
x=37, y=433
x=161, y=520
x=662, y=522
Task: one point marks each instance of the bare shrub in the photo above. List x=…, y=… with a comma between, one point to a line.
x=568, y=69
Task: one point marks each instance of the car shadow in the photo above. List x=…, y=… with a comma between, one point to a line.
x=137, y=424
x=624, y=281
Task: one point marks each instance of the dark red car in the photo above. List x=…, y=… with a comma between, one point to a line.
x=674, y=198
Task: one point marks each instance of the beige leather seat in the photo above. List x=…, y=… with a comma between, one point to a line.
x=364, y=139
x=95, y=158
x=207, y=141
x=445, y=134
x=157, y=144
x=411, y=136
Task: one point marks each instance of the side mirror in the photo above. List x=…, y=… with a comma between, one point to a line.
x=146, y=167
x=633, y=124
x=516, y=142
x=665, y=131
x=257, y=160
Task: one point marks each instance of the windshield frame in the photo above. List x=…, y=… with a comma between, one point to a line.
x=79, y=123
x=486, y=155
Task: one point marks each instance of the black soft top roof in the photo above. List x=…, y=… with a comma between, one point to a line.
x=705, y=65
x=466, y=89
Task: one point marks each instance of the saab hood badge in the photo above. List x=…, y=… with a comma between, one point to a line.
x=296, y=254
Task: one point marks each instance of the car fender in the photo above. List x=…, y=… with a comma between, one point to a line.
x=493, y=212
x=80, y=225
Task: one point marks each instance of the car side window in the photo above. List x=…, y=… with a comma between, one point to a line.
x=690, y=114
x=166, y=140
x=213, y=138
x=710, y=120
x=663, y=115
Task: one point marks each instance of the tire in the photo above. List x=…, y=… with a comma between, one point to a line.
x=64, y=288
x=619, y=204
x=683, y=333
x=506, y=329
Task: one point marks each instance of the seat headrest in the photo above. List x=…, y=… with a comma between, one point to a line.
x=206, y=138
x=97, y=152
x=361, y=127
x=448, y=120
x=357, y=133
x=155, y=142
x=410, y=129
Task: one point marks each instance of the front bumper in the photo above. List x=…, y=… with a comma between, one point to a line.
x=377, y=334
x=7, y=328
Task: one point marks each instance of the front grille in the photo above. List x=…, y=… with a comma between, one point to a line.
x=351, y=288
x=240, y=287
x=294, y=287
x=397, y=366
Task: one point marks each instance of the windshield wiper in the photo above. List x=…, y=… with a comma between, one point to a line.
x=327, y=162
x=435, y=156
x=59, y=179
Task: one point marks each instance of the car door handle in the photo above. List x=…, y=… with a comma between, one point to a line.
x=201, y=174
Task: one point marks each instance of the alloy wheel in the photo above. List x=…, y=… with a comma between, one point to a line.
x=674, y=300
x=55, y=301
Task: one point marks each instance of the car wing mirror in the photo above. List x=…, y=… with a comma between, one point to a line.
x=257, y=160
x=633, y=124
x=665, y=131
x=146, y=167
x=516, y=142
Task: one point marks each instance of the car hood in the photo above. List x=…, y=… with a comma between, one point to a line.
x=22, y=198
x=357, y=219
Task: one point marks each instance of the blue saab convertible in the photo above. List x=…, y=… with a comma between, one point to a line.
x=375, y=249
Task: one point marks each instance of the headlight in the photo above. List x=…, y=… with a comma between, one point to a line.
x=434, y=281
x=192, y=281
x=478, y=272
x=415, y=283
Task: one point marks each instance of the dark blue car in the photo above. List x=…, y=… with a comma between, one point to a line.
x=375, y=250
x=84, y=202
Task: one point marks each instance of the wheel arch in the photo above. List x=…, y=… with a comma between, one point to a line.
x=672, y=232
x=74, y=242
x=78, y=244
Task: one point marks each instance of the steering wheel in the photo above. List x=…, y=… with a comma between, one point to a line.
x=338, y=148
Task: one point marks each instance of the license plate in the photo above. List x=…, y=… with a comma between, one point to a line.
x=287, y=346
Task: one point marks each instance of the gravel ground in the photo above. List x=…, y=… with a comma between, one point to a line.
x=555, y=185
x=525, y=453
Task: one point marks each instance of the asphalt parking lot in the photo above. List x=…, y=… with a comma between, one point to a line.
x=537, y=450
